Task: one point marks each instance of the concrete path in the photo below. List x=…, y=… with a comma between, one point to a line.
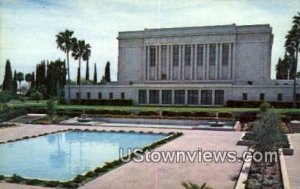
x=293, y=162
x=157, y=175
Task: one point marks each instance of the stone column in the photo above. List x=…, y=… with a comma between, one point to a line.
x=192, y=62
x=145, y=62
x=233, y=61
x=213, y=97
x=229, y=62
x=207, y=63
x=147, y=96
x=195, y=62
x=148, y=65
x=156, y=62
x=159, y=63
x=204, y=62
x=167, y=62
x=179, y=62
x=183, y=63
x=217, y=61
x=171, y=62
x=220, y=62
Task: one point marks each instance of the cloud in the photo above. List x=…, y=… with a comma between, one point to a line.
x=28, y=28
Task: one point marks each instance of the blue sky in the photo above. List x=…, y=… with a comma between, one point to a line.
x=28, y=27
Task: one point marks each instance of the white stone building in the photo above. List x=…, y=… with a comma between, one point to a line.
x=194, y=66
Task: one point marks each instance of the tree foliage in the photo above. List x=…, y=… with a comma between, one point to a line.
x=8, y=78
x=107, y=72
x=95, y=74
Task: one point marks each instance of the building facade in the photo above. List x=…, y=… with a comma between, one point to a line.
x=194, y=66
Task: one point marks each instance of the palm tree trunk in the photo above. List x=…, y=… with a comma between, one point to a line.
x=79, y=80
x=69, y=85
x=295, y=81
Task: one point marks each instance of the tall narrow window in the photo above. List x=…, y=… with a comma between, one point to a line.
x=152, y=56
x=298, y=97
x=262, y=96
x=99, y=95
x=111, y=95
x=77, y=95
x=193, y=97
x=219, y=97
x=179, y=97
x=88, y=95
x=142, y=96
x=245, y=96
x=122, y=95
x=175, y=55
x=187, y=55
x=212, y=54
x=166, y=96
x=225, y=54
x=200, y=55
x=206, y=97
x=279, y=97
x=154, y=96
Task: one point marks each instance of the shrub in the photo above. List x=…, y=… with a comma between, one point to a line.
x=205, y=114
x=148, y=113
x=2, y=177
x=12, y=114
x=52, y=183
x=106, y=102
x=246, y=117
x=264, y=106
x=256, y=104
x=16, y=178
x=36, y=95
x=225, y=115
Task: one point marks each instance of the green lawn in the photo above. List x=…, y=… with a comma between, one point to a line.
x=30, y=103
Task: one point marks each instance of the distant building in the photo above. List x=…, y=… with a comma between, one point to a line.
x=194, y=66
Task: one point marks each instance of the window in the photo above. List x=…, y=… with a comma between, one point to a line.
x=200, y=55
x=175, y=55
x=261, y=96
x=279, y=97
x=219, y=97
x=166, y=96
x=187, y=55
x=245, y=96
x=142, y=96
x=99, y=95
x=122, y=95
x=154, y=97
x=179, y=97
x=163, y=76
x=88, y=95
x=193, y=97
x=206, y=97
x=77, y=95
x=212, y=54
x=152, y=56
x=297, y=97
x=111, y=95
x=225, y=54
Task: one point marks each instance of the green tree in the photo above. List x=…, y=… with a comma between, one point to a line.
x=40, y=74
x=266, y=134
x=107, y=72
x=78, y=51
x=8, y=80
x=28, y=79
x=65, y=42
x=51, y=108
x=36, y=95
x=95, y=74
x=20, y=78
x=5, y=96
x=86, y=56
x=15, y=83
x=32, y=80
x=292, y=48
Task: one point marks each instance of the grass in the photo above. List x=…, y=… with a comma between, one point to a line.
x=31, y=103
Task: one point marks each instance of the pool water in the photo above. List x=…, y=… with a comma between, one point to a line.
x=62, y=156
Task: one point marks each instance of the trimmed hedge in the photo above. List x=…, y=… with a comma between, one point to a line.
x=256, y=104
x=12, y=114
x=105, y=102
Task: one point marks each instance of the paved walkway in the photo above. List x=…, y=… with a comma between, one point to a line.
x=157, y=175
x=293, y=162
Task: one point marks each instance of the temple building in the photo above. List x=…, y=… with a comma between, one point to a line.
x=194, y=66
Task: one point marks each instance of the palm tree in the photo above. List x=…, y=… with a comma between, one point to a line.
x=28, y=78
x=292, y=47
x=86, y=56
x=20, y=78
x=189, y=185
x=64, y=42
x=78, y=51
